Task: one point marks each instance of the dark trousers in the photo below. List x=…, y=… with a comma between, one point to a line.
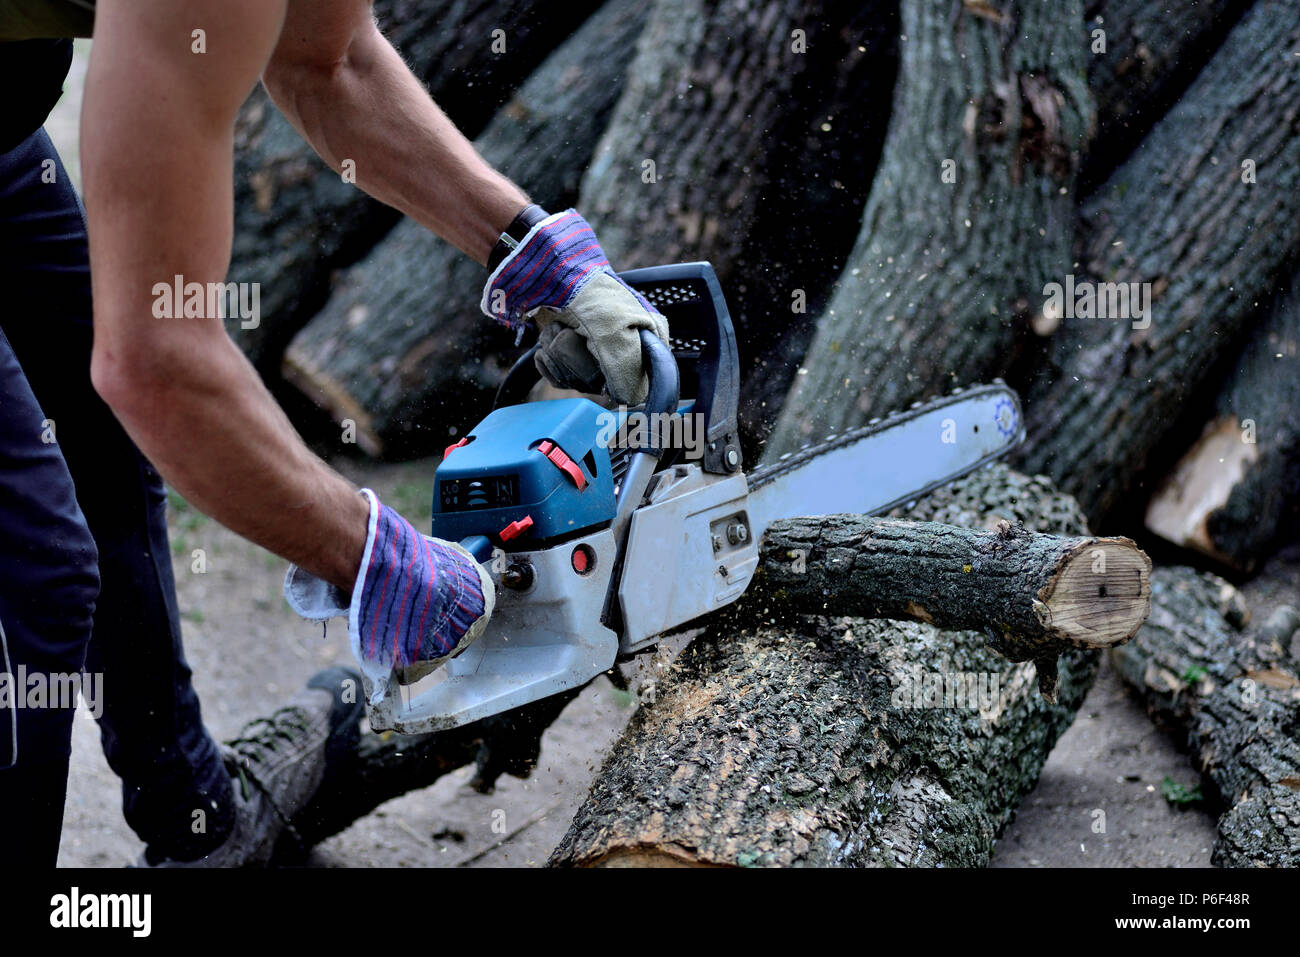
x=85, y=570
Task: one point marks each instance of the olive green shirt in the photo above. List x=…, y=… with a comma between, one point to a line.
x=45, y=19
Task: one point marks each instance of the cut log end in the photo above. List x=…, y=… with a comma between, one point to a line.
x=1199, y=485
x=1101, y=594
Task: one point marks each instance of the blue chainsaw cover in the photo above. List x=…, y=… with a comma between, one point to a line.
x=500, y=476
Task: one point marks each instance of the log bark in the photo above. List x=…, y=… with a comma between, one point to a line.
x=388, y=765
x=1153, y=52
x=1235, y=493
x=1038, y=593
x=1234, y=695
x=991, y=111
x=296, y=221
x=764, y=123
x=1178, y=217
x=401, y=347
x=836, y=741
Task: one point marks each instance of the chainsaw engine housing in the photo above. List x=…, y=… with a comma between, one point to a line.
x=535, y=472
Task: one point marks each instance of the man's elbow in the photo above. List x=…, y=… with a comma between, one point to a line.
x=131, y=380
x=294, y=75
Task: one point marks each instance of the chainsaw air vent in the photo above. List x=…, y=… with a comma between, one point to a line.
x=670, y=295
x=618, y=462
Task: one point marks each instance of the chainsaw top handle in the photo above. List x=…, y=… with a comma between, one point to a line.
x=706, y=367
x=661, y=373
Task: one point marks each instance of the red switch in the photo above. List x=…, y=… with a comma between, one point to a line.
x=447, y=451
x=515, y=528
x=563, y=462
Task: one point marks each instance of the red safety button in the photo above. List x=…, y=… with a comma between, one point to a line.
x=515, y=528
x=447, y=451
x=563, y=462
x=583, y=559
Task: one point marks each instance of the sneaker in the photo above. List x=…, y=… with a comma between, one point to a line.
x=277, y=763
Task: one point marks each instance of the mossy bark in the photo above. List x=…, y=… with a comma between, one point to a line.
x=1233, y=693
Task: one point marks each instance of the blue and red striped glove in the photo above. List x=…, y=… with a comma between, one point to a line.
x=417, y=602
x=589, y=319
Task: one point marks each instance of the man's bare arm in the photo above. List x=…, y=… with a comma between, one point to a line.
x=347, y=91
x=156, y=147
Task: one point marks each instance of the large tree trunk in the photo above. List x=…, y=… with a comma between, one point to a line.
x=1235, y=493
x=763, y=122
x=991, y=111
x=296, y=221
x=836, y=741
x=1179, y=217
x=401, y=348
x=1235, y=695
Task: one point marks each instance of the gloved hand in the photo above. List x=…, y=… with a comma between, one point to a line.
x=589, y=319
x=417, y=602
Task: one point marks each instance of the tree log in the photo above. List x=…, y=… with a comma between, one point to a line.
x=991, y=111
x=1236, y=492
x=764, y=123
x=1038, y=593
x=1153, y=52
x=1178, y=217
x=388, y=765
x=1235, y=695
x=296, y=221
x=836, y=741
x=401, y=348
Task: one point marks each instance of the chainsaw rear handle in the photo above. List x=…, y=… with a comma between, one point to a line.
x=656, y=358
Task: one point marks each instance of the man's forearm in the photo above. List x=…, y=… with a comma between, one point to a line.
x=156, y=154
x=367, y=107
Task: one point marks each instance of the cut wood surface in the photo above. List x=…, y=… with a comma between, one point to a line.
x=1233, y=693
x=836, y=741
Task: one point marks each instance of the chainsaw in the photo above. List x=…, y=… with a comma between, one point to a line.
x=603, y=535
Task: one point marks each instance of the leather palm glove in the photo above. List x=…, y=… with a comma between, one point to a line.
x=417, y=602
x=589, y=320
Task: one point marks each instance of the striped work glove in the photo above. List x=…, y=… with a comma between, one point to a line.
x=417, y=602
x=588, y=319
